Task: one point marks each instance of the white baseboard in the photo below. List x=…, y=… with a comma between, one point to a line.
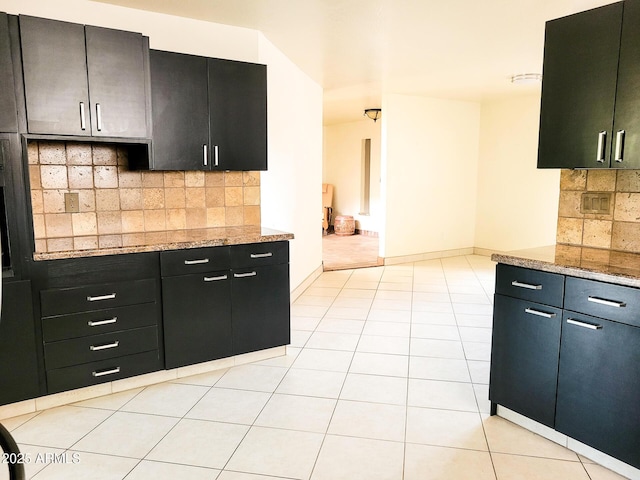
x=428, y=256
x=299, y=290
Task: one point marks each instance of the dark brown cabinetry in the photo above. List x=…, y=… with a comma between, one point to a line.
x=208, y=114
x=84, y=81
x=589, y=111
x=8, y=108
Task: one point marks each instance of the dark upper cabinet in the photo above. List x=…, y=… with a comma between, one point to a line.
x=8, y=109
x=238, y=115
x=208, y=114
x=85, y=81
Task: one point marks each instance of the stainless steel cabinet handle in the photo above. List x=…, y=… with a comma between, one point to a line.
x=196, y=262
x=590, y=326
x=111, y=296
x=604, y=301
x=619, y=144
x=516, y=283
x=602, y=137
x=215, y=155
x=215, y=279
x=261, y=255
x=106, y=346
x=242, y=275
x=99, y=117
x=539, y=313
x=111, y=371
x=205, y=160
x=102, y=322
x=83, y=121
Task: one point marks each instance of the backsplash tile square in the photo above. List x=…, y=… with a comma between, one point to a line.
x=118, y=207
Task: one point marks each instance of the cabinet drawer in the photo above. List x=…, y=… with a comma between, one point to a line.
x=100, y=347
x=257, y=254
x=194, y=260
x=533, y=285
x=61, y=379
x=603, y=300
x=75, y=325
x=60, y=301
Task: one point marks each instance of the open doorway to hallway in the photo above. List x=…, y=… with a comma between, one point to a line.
x=342, y=252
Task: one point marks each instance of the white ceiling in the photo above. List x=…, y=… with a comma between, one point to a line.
x=360, y=49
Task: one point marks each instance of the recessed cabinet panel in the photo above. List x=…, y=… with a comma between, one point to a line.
x=8, y=111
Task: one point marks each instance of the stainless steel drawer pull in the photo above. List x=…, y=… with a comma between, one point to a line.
x=215, y=155
x=215, y=279
x=539, y=313
x=102, y=322
x=196, y=262
x=242, y=275
x=602, y=136
x=106, y=346
x=261, y=255
x=83, y=121
x=111, y=296
x=205, y=160
x=619, y=144
x=608, y=303
x=111, y=371
x=99, y=117
x=516, y=283
x=590, y=326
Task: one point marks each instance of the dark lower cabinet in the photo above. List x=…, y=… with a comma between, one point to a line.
x=524, y=357
x=197, y=318
x=599, y=385
x=261, y=312
x=18, y=359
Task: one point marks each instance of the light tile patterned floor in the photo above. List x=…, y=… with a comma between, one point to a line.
x=386, y=379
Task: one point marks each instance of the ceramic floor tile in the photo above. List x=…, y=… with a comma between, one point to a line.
x=475, y=334
x=477, y=351
x=299, y=338
x=352, y=302
x=348, y=458
x=472, y=309
x=357, y=293
x=596, y=472
x=304, y=323
x=280, y=453
x=294, y=412
x=436, y=332
x=512, y=467
x=199, y=443
x=430, y=368
x=352, y=313
x=446, y=428
x=314, y=383
x=229, y=475
x=315, y=300
x=60, y=427
x=171, y=399
x=227, y=405
x=477, y=298
x=207, y=379
x=283, y=361
x=426, y=347
x=430, y=287
x=393, y=295
x=330, y=360
x=369, y=420
x=482, y=397
x=479, y=371
x=252, y=377
x=433, y=307
x=378, y=344
x=387, y=329
x=88, y=465
x=481, y=321
x=169, y=471
x=380, y=364
x=361, y=284
x=429, y=297
x=114, y=401
x=40, y=458
x=444, y=395
x=457, y=289
x=308, y=310
x=433, y=318
x=341, y=325
x=397, y=316
x=126, y=434
x=392, y=304
x=323, y=291
x=375, y=388
x=333, y=341
x=397, y=286
x=424, y=462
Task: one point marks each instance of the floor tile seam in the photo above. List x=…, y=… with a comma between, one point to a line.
x=408, y=371
x=450, y=447
x=251, y=473
x=540, y=457
x=440, y=409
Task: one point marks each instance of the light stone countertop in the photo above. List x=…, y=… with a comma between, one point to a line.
x=622, y=268
x=177, y=240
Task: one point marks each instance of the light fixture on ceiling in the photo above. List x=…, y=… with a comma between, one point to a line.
x=526, y=78
x=373, y=113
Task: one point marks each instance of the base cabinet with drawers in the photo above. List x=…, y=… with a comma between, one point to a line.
x=571, y=360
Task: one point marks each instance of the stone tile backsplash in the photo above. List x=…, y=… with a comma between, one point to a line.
x=116, y=203
x=619, y=229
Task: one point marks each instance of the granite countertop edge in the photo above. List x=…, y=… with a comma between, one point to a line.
x=236, y=238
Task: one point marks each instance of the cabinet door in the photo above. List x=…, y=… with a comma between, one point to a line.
x=197, y=318
x=8, y=112
x=579, y=88
x=261, y=314
x=55, y=76
x=117, y=85
x=18, y=359
x=180, y=111
x=627, y=118
x=524, y=357
x=238, y=109
x=599, y=385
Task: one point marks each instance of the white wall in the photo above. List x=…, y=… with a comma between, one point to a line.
x=429, y=174
x=341, y=167
x=517, y=203
x=289, y=189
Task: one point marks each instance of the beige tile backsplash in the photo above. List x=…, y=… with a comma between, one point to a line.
x=617, y=230
x=116, y=203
